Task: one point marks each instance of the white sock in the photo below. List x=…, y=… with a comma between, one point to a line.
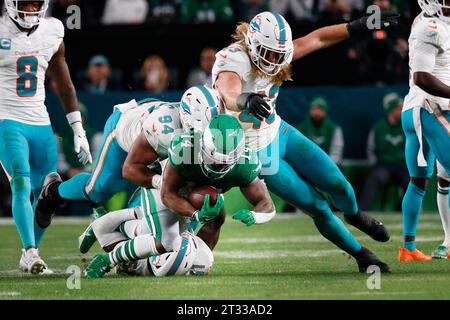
x=139, y=248
x=105, y=228
x=444, y=212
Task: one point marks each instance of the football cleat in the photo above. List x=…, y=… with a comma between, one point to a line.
x=31, y=262
x=369, y=225
x=88, y=238
x=408, y=255
x=367, y=258
x=441, y=252
x=99, y=266
x=45, y=207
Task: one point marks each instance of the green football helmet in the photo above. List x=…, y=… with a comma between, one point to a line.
x=222, y=144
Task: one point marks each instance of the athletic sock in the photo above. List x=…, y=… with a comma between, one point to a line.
x=74, y=188
x=444, y=212
x=141, y=247
x=411, y=207
x=22, y=210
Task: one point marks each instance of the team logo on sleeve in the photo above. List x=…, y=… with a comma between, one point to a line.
x=5, y=44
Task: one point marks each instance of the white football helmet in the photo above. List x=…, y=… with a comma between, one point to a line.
x=269, y=40
x=191, y=257
x=204, y=259
x=434, y=7
x=198, y=106
x=26, y=19
x=177, y=262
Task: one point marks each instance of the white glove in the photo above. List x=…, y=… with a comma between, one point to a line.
x=156, y=181
x=80, y=141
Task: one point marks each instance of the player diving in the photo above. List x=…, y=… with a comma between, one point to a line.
x=216, y=157
x=31, y=46
x=150, y=123
x=248, y=74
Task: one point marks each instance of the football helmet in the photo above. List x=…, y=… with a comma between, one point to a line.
x=222, y=144
x=434, y=7
x=26, y=19
x=204, y=258
x=198, y=106
x=269, y=40
x=177, y=262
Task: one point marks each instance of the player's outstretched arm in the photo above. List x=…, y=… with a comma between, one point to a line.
x=263, y=210
x=230, y=88
x=328, y=36
x=135, y=168
x=59, y=71
x=173, y=182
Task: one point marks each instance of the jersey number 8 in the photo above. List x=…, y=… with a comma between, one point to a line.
x=26, y=84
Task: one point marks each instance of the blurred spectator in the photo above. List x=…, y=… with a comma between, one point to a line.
x=125, y=12
x=298, y=9
x=339, y=9
x=202, y=74
x=99, y=79
x=166, y=11
x=250, y=8
x=207, y=11
x=154, y=74
x=385, y=152
x=323, y=131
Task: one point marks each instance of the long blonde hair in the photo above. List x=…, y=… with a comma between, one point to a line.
x=285, y=74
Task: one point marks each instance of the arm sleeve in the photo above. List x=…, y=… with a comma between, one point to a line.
x=337, y=146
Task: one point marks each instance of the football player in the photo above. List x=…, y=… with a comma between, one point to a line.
x=248, y=75
x=150, y=123
x=426, y=118
x=30, y=46
x=217, y=157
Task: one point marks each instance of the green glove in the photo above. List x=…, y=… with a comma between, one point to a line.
x=245, y=216
x=207, y=212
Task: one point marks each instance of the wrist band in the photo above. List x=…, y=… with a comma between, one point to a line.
x=73, y=117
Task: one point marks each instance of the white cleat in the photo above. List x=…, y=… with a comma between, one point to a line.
x=31, y=262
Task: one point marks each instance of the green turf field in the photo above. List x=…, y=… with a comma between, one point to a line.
x=285, y=259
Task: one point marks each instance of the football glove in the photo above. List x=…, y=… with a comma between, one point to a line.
x=255, y=104
x=208, y=213
x=245, y=216
x=361, y=25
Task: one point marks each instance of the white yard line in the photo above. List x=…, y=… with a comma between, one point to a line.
x=268, y=254
x=9, y=293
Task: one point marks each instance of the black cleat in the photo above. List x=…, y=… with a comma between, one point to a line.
x=45, y=206
x=369, y=225
x=366, y=258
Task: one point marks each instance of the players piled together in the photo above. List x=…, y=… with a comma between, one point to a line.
x=221, y=135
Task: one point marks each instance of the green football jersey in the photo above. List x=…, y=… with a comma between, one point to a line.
x=184, y=156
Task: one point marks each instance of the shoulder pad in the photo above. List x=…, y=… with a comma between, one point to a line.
x=233, y=58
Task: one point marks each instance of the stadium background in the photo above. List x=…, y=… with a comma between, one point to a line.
x=353, y=76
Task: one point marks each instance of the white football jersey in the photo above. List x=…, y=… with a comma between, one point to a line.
x=433, y=33
x=160, y=121
x=258, y=133
x=23, y=62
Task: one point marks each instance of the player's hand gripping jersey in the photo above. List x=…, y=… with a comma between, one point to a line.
x=159, y=120
x=24, y=60
x=184, y=157
x=258, y=133
x=429, y=45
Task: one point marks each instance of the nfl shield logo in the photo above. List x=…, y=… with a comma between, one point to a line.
x=5, y=44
